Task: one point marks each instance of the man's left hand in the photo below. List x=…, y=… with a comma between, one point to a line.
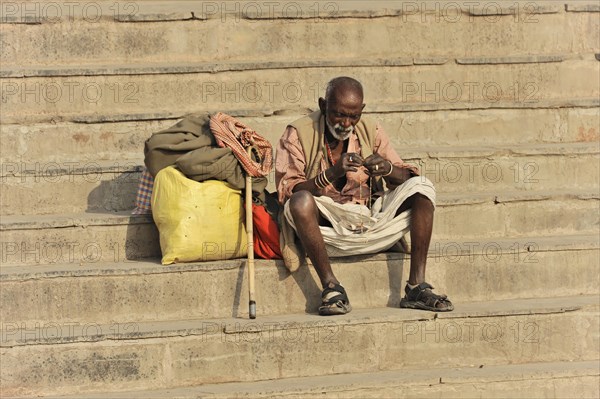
x=377, y=166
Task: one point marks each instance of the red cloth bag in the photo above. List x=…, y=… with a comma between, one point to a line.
x=266, y=234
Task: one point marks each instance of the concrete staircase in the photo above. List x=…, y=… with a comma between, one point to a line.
x=497, y=102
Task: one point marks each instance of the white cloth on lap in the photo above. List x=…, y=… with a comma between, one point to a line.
x=357, y=230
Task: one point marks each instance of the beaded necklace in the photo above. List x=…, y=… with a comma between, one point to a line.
x=329, y=154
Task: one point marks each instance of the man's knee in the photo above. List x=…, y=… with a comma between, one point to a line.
x=417, y=199
x=422, y=200
x=302, y=204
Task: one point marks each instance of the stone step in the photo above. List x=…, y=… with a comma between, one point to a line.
x=530, y=380
x=113, y=237
x=265, y=91
x=127, y=292
x=70, y=187
x=99, y=186
x=187, y=31
x=194, y=352
x=77, y=239
x=92, y=142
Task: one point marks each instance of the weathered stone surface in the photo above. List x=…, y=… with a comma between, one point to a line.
x=115, y=365
x=86, y=238
x=75, y=142
x=583, y=7
x=470, y=105
x=130, y=292
x=266, y=91
x=81, y=313
x=516, y=9
x=369, y=340
x=552, y=216
x=514, y=170
x=138, y=11
x=149, y=292
x=528, y=59
x=97, y=186
x=106, y=237
x=90, y=187
x=430, y=61
x=87, y=143
x=541, y=380
x=491, y=127
x=424, y=34
x=188, y=68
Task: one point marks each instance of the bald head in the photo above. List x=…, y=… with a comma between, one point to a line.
x=343, y=86
x=342, y=106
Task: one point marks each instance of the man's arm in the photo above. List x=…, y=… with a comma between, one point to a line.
x=348, y=162
x=385, y=162
x=290, y=164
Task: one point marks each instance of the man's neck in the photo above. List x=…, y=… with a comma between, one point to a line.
x=332, y=141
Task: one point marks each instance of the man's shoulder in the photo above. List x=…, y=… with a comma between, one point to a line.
x=367, y=129
x=306, y=127
x=308, y=119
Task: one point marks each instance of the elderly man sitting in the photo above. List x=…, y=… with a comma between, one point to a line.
x=328, y=165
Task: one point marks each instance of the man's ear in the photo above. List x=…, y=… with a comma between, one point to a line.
x=322, y=105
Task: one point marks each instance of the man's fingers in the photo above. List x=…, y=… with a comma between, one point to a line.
x=373, y=173
x=353, y=161
x=368, y=160
x=373, y=160
x=377, y=169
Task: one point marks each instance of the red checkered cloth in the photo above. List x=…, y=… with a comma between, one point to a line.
x=144, y=194
x=231, y=133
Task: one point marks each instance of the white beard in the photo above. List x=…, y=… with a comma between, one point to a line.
x=338, y=132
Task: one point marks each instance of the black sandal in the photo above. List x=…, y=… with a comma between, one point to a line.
x=421, y=297
x=334, y=301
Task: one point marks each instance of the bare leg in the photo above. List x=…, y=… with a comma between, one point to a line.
x=421, y=226
x=306, y=218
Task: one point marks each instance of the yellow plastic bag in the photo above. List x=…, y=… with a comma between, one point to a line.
x=197, y=221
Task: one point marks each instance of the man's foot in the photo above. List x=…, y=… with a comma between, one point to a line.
x=334, y=301
x=421, y=297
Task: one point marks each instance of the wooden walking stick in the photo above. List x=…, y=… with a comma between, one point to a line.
x=250, y=232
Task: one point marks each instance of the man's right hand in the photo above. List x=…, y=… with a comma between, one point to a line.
x=348, y=162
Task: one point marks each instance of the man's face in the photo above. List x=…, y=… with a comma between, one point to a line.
x=342, y=113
